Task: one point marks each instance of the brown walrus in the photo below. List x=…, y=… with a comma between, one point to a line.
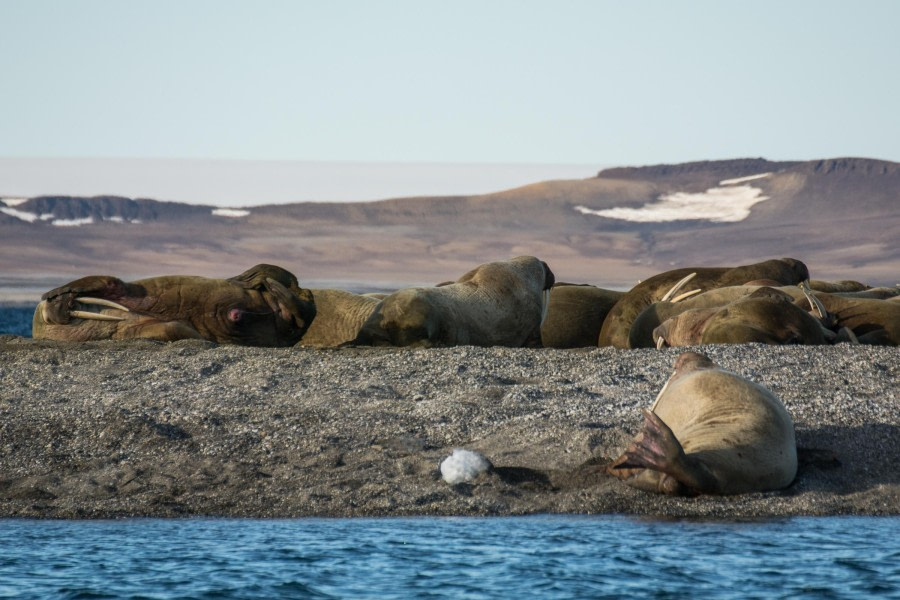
x=575, y=315
x=766, y=316
x=710, y=431
x=339, y=317
x=785, y=271
x=496, y=304
x=872, y=320
x=263, y=306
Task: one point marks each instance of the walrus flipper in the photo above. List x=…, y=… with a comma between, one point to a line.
x=256, y=277
x=657, y=449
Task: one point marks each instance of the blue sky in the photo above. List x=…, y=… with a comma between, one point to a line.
x=562, y=82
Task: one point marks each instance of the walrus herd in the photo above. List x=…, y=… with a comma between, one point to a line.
x=708, y=432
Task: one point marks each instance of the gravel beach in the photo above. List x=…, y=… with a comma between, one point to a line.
x=123, y=429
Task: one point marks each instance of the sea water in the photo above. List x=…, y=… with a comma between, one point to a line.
x=16, y=320
x=426, y=557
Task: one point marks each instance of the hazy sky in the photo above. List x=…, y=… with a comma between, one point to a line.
x=487, y=81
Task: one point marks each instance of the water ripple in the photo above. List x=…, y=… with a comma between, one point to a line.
x=550, y=557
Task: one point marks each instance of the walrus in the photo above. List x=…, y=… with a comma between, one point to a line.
x=575, y=315
x=641, y=333
x=871, y=320
x=263, y=306
x=767, y=316
x=496, y=304
x=785, y=271
x=339, y=317
x=837, y=286
x=710, y=431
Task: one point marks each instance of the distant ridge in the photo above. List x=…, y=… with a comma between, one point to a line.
x=857, y=166
x=733, y=168
x=839, y=215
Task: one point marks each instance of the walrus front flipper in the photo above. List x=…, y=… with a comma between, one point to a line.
x=657, y=449
x=255, y=277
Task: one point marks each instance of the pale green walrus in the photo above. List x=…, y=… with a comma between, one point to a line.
x=710, y=431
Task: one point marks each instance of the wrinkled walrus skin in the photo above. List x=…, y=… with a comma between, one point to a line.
x=264, y=306
x=616, y=327
x=339, y=317
x=495, y=304
x=710, y=431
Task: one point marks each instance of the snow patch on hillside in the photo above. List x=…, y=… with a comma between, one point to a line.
x=743, y=179
x=30, y=217
x=19, y=214
x=233, y=213
x=718, y=205
x=72, y=222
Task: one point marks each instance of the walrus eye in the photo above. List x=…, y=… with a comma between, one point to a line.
x=235, y=315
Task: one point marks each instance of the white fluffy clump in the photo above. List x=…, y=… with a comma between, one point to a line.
x=463, y=466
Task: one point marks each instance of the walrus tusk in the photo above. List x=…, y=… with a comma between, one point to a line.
x=676, y=287
x=102, y=302
x=660, y=343
x=545, y=305
x=661, y=392
x=685, y=295
x=814, y=303
x=83, y=314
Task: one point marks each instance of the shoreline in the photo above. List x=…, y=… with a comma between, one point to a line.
x=144, y=429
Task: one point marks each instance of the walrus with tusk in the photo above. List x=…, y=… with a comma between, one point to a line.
x=767, y=316
x=264, y=306
x=710, y=431
x=616, y=327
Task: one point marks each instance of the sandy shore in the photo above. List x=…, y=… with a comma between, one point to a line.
x=190, y=428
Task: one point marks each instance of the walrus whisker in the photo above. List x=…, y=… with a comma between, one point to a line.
x=84, y=314
x=675, y=288
x=101, y=302
x=685, y=295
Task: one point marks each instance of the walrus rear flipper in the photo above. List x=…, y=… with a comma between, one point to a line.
x=657, y=449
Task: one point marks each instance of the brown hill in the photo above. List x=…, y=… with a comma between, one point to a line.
x=841, y=216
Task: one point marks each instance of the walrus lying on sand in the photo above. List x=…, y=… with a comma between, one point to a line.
x=766, y=316
x=870, y=320
x=710, y=431
x=616, y=327
x=263, y=306
x=575, y=314
x=496, y=304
